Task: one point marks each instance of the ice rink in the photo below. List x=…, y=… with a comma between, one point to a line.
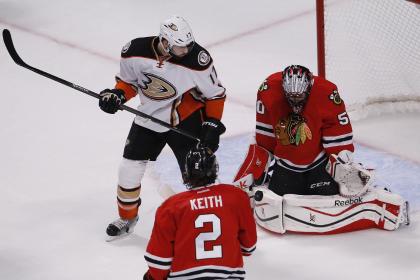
x=59, y=153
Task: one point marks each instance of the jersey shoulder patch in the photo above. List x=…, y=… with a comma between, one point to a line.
x=327, y=95
x=139, y=47
x=263, y=86
x=198, y=59
x=271, y=86
x=335, y=97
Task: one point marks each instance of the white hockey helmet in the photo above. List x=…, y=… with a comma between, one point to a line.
x=297, y=84
x=177, y=32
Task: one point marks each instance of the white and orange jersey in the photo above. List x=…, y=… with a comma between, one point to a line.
x=301, y=142
x=170, y=89
x=202, y=234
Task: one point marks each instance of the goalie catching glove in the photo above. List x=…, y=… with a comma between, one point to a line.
x=353, y=179
x=111, y=99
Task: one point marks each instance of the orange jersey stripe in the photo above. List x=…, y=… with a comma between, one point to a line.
x=214, y=108
x=188, y=105
x=129, y=90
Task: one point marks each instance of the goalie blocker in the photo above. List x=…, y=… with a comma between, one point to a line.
x=363, y=207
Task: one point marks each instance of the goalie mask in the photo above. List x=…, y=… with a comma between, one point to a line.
x=177, y=32
x=297, y=83
x=201, y=168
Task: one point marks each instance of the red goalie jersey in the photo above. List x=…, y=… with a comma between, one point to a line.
x=302, y=141
x=202, y=234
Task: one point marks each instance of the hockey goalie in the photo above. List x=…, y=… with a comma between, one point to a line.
x=300, y=174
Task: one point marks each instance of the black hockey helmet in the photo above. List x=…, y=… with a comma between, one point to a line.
x=297, y=83
x=201, y=167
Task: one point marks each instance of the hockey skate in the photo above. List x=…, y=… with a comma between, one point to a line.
x=404, y=217
x=120, y=228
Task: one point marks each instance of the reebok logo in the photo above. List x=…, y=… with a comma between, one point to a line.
x=347, y=202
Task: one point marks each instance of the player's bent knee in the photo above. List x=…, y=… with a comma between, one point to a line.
x=131, y=173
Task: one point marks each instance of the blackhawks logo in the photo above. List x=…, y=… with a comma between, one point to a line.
x=335, y=97
x=293, y=130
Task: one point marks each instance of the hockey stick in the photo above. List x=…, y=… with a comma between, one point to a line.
x=7, y=38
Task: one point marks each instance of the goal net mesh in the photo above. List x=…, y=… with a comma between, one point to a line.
x=372, y=53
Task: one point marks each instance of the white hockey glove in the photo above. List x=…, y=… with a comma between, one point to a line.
x=352, y=178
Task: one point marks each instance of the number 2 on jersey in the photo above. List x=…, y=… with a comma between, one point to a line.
x=200, y=251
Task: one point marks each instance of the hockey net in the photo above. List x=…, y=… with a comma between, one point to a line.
x=371, y=50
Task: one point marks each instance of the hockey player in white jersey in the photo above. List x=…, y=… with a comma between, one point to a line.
x=176, y=81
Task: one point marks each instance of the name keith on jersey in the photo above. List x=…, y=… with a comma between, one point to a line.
x=206, y=202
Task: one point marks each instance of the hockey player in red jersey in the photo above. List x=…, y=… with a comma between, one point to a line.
x=204, y=232
x=315, y=186
x=301, y=127
x=177, y=83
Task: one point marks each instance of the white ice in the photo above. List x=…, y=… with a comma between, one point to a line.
x=59, y=153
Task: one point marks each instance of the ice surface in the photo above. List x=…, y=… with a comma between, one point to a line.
x=59, y=153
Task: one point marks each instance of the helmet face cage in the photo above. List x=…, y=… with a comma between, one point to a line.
x=297, y=83
x=177, y=32
x=201, y=168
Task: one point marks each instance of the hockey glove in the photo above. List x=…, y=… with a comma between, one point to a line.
x=352, y=178
x=111, y=99
x=210, y=133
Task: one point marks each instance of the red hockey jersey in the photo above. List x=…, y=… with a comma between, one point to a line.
x=202, y=233
x=301, y=142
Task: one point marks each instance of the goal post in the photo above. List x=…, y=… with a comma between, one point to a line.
x=371, y=50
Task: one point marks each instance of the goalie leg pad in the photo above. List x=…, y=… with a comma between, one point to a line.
x=336, y=214
x=268, y=210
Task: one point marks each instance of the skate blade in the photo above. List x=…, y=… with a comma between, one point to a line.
x=117, y=237
x=407, y=213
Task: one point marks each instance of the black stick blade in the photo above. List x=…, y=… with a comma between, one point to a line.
x=7, y=38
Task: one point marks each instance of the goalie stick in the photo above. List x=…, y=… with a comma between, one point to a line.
x=7, y=38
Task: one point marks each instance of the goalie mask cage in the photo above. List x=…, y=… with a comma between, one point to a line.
x=371, y=50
